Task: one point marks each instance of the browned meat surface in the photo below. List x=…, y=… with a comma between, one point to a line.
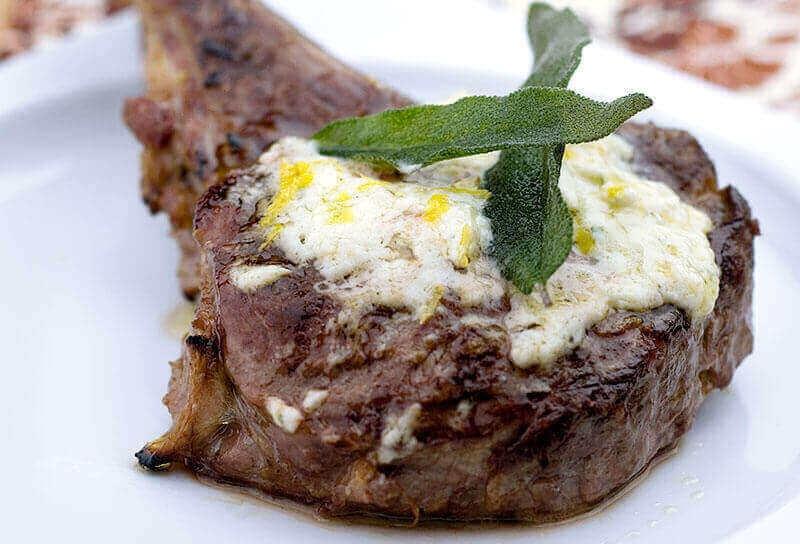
x=536, y=445
x=225, y=79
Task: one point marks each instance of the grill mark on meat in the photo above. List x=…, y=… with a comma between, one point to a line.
x=214, y=48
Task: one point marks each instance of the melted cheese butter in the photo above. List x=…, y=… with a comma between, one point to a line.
x=409, y=244
x=637, y=246
x=393, y=244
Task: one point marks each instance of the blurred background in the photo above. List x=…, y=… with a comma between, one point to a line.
x=25, y=24
x=749, y=46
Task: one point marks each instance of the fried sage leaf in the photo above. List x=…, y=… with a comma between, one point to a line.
x=421, y=135
x=531, y=223
x=557, y=39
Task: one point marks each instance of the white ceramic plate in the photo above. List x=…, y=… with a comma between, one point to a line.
x=89, y=281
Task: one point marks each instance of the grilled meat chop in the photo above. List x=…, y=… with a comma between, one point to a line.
x=539, y=445
x=225, y=79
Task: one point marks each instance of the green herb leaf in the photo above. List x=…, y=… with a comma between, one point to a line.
x=422, y=135
x=531, y=223
x=557, y=39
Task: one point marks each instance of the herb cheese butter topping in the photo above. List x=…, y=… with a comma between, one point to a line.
x=527, y=200
x=408, y=244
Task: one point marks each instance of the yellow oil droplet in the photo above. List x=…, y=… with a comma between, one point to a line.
x=464, y=247
x=340, y=209
x=273, y=233
x=430, y=307
x=584, y=240
x=617, y=196
x=438, y=205
x=479, y=193
x=369, y=184
x=697, y=495
x=614, y=191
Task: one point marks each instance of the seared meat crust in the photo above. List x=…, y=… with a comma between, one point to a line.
x=492, y=441
x=225, y=79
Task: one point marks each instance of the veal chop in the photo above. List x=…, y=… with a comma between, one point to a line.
x=300, y=381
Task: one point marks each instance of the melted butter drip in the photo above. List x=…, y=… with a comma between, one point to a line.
x=293, y=178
